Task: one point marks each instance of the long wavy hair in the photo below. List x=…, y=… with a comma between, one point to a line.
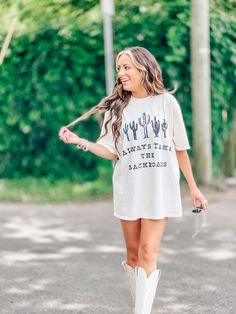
x=115, y=103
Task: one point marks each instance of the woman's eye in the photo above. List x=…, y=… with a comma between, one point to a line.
x=126, y=68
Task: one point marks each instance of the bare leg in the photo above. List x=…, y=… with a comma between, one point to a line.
x=131, y=230
x=149, y=243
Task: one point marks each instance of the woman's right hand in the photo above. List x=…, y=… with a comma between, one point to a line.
x=68, y=137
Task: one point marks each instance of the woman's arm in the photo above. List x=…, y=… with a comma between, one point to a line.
x=101, y=151
x=69, y=137
x=185, y=166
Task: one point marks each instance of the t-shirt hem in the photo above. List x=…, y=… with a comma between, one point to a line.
x=182, y=148
x=108, y=147
x=147, y=217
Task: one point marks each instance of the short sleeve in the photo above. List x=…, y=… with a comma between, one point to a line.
x=107, y=141
x=180, y=137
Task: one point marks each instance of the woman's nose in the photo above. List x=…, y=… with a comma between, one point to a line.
x=120, y=73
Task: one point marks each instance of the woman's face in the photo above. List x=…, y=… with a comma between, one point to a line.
x=129, y=75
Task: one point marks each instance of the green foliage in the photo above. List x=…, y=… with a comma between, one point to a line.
x=223, y=61
x=42, y=190
x=47, y=81
x=54, y=72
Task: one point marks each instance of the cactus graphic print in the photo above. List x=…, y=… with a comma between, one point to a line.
x=146, y=175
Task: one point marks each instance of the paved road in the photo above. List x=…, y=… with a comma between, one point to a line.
x=67, y=259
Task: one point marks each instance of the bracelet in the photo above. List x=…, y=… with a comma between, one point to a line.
x=84, y=145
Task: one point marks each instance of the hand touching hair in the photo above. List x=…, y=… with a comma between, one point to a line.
x=146, y=63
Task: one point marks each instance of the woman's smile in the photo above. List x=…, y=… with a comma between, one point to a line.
x=125, y=81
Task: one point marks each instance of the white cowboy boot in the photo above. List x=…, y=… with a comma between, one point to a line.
x=129, y=271
x=145, y=289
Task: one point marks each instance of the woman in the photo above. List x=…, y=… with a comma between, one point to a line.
x=144, y=133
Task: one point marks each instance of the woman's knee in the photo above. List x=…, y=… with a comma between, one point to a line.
x=147, y=253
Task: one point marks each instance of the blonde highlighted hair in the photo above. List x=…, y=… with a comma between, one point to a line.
x=145, y=62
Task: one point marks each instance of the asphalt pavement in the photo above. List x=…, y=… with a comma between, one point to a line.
x=67, y=258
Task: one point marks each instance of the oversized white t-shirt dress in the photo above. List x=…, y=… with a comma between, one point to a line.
x=146, y=175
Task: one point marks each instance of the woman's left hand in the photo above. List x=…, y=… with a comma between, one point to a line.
x=197, y=195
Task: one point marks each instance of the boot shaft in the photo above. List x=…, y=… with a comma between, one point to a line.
x=145, y=289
